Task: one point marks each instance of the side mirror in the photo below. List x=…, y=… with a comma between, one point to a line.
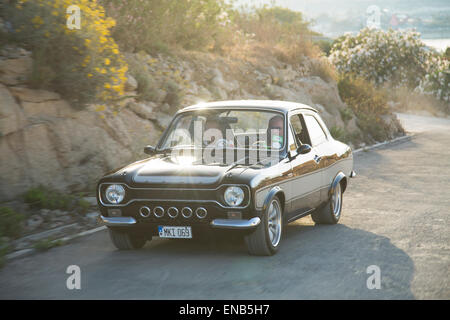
x=304, y=148
x=149, y=150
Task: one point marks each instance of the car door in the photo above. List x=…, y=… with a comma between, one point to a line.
x=306, y=178
x=320, y=144
x=329, y=161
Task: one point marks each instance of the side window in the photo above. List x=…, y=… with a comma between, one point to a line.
x=299, y=130
x=316, y=134
x=292, y=143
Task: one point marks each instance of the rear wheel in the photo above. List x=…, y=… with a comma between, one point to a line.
x=265, y=240
x=331, y=212
x=126, y=241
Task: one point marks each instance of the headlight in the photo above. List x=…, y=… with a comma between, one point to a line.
x=115, y=193
x=234, y=196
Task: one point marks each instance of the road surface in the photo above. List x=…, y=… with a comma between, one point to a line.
x=396, y=216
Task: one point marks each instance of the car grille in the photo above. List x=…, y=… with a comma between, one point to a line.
x=168, y=212
x=165, y=194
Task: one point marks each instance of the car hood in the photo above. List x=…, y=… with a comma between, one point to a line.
x=179, y=171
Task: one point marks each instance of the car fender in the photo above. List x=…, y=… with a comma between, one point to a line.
x=272, y=193
x=339, y=177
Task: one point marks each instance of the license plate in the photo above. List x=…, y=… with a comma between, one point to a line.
x=175, y=232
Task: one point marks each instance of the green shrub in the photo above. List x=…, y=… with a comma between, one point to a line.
x=340, y=134
x=46, y=244
x=174, y=93
x=337, y=133
x=41, y=197
x=324, y=45
x=147, y=89
x=284, y=30
x=322, y=68
x=35, y=196
x=159, y=47
x=272, y=24
x=45, y=198
x=10, y=222
x=437, y=81
x=156, y=25
x=83, y=65
x=368, y=103
x=357, y=91
x=346, y=114
x=83, y=206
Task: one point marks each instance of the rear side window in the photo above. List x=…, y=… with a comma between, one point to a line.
x=316, y=134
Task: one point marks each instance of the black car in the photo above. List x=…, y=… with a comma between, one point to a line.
x=251, y=166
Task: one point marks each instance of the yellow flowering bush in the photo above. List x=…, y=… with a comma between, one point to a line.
x=83, y=65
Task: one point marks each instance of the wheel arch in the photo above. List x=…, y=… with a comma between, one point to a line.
x=339, y=178
x=275, y=191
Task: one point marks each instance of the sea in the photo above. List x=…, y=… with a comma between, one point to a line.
x=439, y=44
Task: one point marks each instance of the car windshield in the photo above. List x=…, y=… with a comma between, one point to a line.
x=246, y=129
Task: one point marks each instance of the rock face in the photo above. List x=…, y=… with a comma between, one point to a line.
x=46, y=142
x=11, y=117
x=131, y=84
x=43, y=140
x=15, y=71
x=205, y=77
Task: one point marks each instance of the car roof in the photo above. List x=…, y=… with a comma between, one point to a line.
x=283, y=106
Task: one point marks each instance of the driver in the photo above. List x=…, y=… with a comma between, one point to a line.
x=275, y=132
x=214, y=134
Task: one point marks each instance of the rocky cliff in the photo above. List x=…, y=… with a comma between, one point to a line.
x=44, y=141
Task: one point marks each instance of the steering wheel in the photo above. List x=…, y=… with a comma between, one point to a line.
x=219, y=144
x=223, y=143
x=259, y=143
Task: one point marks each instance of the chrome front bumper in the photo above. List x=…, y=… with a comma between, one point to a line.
x=236, y=224
x=118, y=221
x=216, y=223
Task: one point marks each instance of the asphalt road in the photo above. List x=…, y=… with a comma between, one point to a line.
x=396, y=216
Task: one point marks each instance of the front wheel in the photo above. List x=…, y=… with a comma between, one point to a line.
x=265, y=240
x=126, y=241
x=331, y=212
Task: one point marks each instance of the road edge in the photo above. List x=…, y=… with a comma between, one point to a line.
x=30, y=251
x=404, y=138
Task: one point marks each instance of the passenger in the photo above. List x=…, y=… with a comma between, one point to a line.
x=275, y=132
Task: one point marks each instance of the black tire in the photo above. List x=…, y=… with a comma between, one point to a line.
x=126, y=241
x=259, y=242
x=327, y=213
